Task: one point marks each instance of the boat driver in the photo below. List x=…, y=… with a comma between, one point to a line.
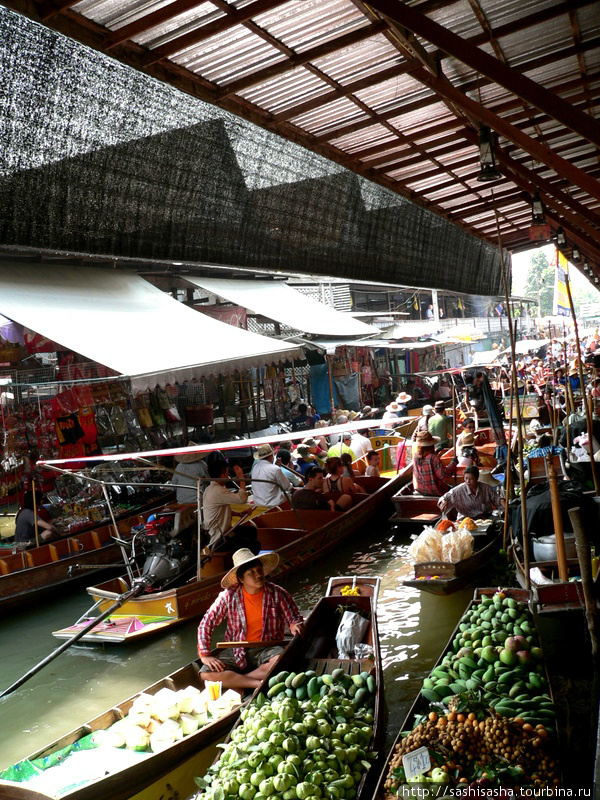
x=471, y=498
x=256, y=611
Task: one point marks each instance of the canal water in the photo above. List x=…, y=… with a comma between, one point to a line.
x=86, y=679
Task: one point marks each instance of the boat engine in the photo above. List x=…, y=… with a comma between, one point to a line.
x=165, y=551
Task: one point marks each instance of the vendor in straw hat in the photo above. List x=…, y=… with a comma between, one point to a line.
x=256, y=610
x=189, y=468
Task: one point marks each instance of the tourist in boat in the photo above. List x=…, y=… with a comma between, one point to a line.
x=373, y=462
x=343, y=446
x=302, y=422
x=337, y=483
x=218, y=499
x=468, y=430
x=440, y=426
x=430, y=476
x=322, y=441
x=315, y=450
x=269, y=484
x=26, y=519
x=304, y=459
x=284, y=460
x=256, y=610
x=347, y=468
x=391, y=416
x=472, y=498
x=423, y=421
x=360, y=445
x=403, y=400
x=312, y=498
x=189, y=468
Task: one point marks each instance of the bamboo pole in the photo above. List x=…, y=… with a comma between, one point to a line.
x=331, y=400
x=561, y=553
x=35, y=518
x=508, y=487
x=586, y=405
x=512, y=334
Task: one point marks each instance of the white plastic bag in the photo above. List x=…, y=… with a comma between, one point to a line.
x=427, y=546
x=350, y=632
x=457, y=546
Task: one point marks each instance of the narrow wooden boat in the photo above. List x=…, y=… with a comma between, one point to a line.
x=316, y=650
x=129, y=774
x=364, y=585
x=28, y=576
x=443, y=578
x=551, y=595
x=412, y=512
x=298, y=537
x=422, y=706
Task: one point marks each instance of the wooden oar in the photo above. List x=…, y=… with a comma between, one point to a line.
x=248, y=645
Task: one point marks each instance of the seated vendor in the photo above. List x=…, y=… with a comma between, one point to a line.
x=256, y=610
x=25, y=522
x=470, y=499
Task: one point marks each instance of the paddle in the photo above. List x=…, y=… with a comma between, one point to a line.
x=248, y=645
x=55, y=653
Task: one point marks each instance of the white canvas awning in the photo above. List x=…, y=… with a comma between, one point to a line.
x=121, y=321
x=278, y=301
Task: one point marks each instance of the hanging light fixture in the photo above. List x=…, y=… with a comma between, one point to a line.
x=537, y=209
x=487, y=157
x=560, y=237
x=586, y=266
x=596, y=280
x=575, y=254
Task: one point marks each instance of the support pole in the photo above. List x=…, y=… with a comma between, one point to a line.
x=561, y=553
x=512, y=336
x=331, y=400
x=586, y=404
x=508, y=474
x=585, y=565
x=35, y=522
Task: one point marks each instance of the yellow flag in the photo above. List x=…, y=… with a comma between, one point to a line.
x=416, y=304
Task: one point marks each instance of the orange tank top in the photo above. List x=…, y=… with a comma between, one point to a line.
x=253, y=605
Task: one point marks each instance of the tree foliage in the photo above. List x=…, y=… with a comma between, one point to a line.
x=540, y=282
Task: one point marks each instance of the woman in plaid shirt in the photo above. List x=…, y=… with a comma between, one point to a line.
x=256, y=611
x=430, y=476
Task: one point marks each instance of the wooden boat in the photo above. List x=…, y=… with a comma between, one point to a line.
x=366, y=586
x=316, y=650
x=422, y=706
x=442, y=578
x=413, y=511
x=27, y=576
x=551, y=595
x=298, y=537
x=188, y=757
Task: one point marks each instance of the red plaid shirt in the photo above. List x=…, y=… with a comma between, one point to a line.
x=278, y=608
x=430, y=476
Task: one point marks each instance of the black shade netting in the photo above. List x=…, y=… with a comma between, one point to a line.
x=96, y=157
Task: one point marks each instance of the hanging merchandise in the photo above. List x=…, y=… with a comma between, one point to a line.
x=83, y=395
x=87, y=420
x=119, y=423
x=156, y=412
x=103, y=423
x=347, y=389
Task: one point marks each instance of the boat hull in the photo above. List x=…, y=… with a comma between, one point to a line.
x=32, y=575
x=149, y=614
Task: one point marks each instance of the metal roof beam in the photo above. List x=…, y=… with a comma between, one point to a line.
x=495, y=70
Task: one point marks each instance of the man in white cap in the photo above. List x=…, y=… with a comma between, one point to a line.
x=256, y=610
x=269, y=484
x=423, y=421
x=189, y=467
x=343, y=446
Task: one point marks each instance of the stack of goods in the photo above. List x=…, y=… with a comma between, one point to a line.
x=155, y=722
x=488, y=716
x=307, y=737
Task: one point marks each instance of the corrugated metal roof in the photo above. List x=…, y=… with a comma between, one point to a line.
x=389, y=98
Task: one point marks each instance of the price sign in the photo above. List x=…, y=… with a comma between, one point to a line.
x=416, y=763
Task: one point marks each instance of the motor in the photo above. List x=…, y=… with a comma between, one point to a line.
x=164, y=547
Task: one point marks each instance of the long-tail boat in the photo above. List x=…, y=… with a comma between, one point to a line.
x=28, y=576
x=299, y=537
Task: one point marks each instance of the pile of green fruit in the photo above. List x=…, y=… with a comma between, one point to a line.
x=495, y=655
x=307, y=737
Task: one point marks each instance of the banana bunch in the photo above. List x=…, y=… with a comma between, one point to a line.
x=348, y=590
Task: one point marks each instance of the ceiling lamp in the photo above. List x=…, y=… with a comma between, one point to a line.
x=596, y=280
x=576, y=255
x=537, y=209
x=561, y=239
x=487, y=158
x=586, y=266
